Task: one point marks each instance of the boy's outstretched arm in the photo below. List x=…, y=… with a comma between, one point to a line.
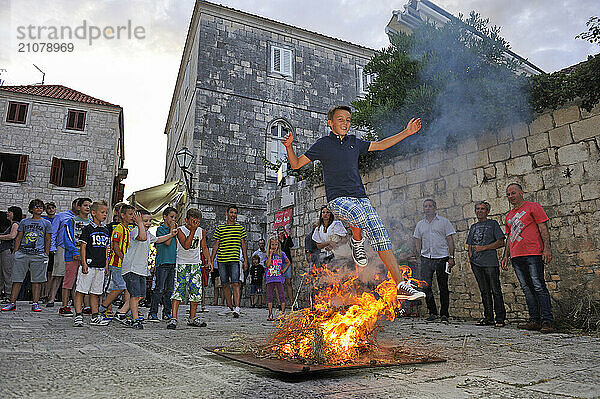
x=413, y=126
x=295, y=162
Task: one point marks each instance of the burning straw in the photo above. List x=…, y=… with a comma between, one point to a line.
x=341, y=327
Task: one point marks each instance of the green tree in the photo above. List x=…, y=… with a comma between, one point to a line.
x=456, y=77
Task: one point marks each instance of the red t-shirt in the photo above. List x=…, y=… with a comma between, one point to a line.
x=521, y=229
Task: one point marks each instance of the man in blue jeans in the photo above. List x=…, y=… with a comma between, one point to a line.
x=166, y=255
x=528, y=247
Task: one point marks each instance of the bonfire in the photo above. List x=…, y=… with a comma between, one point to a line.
x=340, y=327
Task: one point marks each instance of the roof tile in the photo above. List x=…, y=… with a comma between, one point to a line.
x=57, y=91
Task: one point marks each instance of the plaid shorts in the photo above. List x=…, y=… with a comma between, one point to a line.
x=359, y=212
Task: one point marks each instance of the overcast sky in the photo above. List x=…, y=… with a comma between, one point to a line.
x=139, y=74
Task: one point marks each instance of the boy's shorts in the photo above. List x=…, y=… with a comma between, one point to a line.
x=36, y=265
x=136, y=284
x=71, y=268
x=256, y=289
x=58, y=270
x=204, y=276
x=359, y=212
x=116, y=279
x=229, y=272
x=92, y=282
x=188, y=280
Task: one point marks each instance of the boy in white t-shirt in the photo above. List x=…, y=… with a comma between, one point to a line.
x=135, y=262
x=188, y=273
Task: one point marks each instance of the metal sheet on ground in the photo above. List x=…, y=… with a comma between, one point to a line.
x=290, y=368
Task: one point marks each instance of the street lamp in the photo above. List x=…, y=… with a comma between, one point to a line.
x=184, y=159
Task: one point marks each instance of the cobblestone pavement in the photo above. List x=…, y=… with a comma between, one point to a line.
x=43, y=356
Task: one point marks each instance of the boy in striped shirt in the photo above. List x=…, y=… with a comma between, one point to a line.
x=229, y=239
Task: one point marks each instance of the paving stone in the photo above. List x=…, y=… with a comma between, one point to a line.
x=115, y=361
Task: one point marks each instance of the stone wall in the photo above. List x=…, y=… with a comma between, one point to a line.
x=557, y=160
x=44, y=136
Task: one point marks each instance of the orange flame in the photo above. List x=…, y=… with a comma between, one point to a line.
x=342, y=320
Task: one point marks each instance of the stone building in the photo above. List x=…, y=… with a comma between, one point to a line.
x=58, y=144
x=557, y=160
x=244, y=81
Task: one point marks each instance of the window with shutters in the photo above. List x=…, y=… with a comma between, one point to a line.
x=282, y=61
x=364, y=80
x=17, y=112
x=276, y=152
x=13, y=167
x=76, y=120
x=68, y=172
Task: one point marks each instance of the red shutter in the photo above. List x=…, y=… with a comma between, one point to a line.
x=82, y=173
x=22, y=173
x=118, y=193
x=55, y=171
x=81, y=121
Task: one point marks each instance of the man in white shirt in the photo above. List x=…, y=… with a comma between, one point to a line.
x=434, y=243
x=261, y=252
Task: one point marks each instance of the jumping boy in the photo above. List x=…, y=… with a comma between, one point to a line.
x=135, y=262
x=191, y=239
x=118, y=248
x=95, y=238
x=346, y=196
x=32, y=246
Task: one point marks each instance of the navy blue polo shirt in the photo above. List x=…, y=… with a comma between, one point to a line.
x=339, y=159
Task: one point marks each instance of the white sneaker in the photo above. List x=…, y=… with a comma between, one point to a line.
x=236, y=312
x=358, y=252
x=407, y=292
x=225, y=312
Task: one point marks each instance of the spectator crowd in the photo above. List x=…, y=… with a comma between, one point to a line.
x=102, y=269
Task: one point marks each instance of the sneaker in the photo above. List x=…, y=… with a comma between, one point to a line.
x=196, y=322
x=122, y=317
x=172, y=324
x=432, y=317
x=166, y=317
x=35, y=307
x=547, y=327
x=358, y=252
x=407, y=292
x=87, y=310
x=78, y=321
x=65, y=311
x=531, y=325
x=141, y=318
x=444, y=319
x=99, y=320
x=106, y=315
x=5, y=301
x=50, y=304
x=225, y=312
x=137, y=324
x=153, y=318
x=9, y=308
x=236, y=313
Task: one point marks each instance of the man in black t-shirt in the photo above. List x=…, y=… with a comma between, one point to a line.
x=484, y=238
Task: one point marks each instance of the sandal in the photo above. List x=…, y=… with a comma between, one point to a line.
x=500, y=324
x=484, y=322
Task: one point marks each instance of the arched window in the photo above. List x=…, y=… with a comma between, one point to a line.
x=276, y=131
